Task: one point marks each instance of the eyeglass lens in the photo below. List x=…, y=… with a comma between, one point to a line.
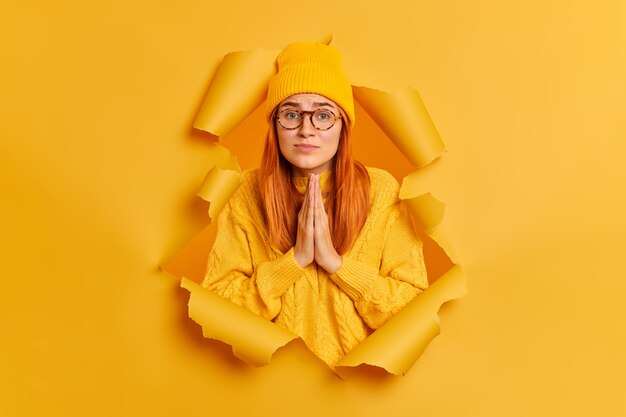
x=322, y=119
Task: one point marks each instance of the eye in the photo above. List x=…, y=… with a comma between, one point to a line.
x=323, y=115
x=291, y=115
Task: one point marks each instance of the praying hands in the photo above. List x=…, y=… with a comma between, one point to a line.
x=313, y=241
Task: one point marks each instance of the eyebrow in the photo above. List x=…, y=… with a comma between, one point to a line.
x=296, y=104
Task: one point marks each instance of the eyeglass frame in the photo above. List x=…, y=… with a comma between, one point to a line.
x=311, y=113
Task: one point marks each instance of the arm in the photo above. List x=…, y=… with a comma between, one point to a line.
x=378, y=294
x=233, y=273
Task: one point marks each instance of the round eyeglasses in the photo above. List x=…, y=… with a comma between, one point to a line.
x=321, y=119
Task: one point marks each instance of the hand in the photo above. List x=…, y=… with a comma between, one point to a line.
x=304, y=248
x=325, y=254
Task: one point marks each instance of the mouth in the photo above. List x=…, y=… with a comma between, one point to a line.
x=306, y=147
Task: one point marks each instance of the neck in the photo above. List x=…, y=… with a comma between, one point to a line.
x=304, y=172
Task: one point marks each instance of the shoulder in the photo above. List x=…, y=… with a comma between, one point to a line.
x=250, y=178
x=384, y=188
x=381, y=177
x=246, y=200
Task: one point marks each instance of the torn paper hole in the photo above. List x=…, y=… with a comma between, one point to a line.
x=403, y=118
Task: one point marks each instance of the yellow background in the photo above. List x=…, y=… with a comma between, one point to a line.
x=99, y=165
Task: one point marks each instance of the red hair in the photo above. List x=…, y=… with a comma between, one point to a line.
x=347, y=204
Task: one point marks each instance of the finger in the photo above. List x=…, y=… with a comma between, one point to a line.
x=302, y=211
x=320, y=204
x=318, y=190
x=321, y=225
x=308, y=186
x=314, y=193
x=318, y=198
x=307, y=192
x=311, y=200
x=310, y=189
x=321, y=200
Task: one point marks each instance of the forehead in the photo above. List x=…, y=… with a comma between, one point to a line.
x=308, y=101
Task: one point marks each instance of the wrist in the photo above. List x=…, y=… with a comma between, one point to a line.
x=334, y=264
x=300, y=260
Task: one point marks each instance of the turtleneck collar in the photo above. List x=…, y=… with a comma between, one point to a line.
x=301, y=183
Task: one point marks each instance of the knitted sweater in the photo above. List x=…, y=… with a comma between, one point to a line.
x=380, y=274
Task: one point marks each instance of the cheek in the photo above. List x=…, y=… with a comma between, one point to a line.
x=332, y=144
x=282, y=143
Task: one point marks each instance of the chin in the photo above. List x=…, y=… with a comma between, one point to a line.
x=304, y=164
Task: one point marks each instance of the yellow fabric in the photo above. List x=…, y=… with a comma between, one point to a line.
x=379, y=275
x=301, y=183
x=310, y=67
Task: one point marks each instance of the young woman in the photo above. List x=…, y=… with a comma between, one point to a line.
x=313, y=240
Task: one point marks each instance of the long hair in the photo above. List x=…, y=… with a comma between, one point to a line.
x=347, y=204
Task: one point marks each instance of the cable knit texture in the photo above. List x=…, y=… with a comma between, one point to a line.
x=380, y=274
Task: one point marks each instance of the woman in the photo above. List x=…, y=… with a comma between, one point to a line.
x=313, y=240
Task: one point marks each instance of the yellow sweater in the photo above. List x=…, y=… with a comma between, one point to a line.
x=380, y=274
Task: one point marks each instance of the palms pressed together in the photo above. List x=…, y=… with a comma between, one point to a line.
x=313, y=241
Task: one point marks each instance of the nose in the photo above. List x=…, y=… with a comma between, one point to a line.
x=306, y=128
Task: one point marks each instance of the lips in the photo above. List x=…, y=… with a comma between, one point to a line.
x=306, y=148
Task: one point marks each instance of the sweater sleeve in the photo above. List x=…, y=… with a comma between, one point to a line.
x=378, y=294
x=233, y=273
